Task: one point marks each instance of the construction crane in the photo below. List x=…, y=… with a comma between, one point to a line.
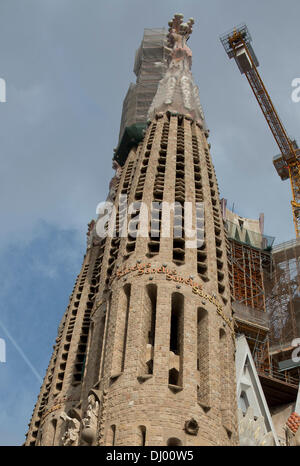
x=237, y=45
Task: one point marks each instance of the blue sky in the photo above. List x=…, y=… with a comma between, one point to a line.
x=67, y=65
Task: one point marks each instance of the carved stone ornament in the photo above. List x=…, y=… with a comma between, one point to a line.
x=90, y=420
x=177, y=91
x=71, y=435
x=191, y=427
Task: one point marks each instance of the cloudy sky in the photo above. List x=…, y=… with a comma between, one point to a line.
x=67, y=66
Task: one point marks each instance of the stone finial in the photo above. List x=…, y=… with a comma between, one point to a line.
x=177, y=92
x=178, y=30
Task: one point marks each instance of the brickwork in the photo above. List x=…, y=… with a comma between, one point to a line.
x=150, y=389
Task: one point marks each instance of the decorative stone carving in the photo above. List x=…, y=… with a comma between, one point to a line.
x=252, y=431
x=191, y=427
x=114, y=181
x=177, y=91
x=90, y=420
x=90, y=227
x=71, y=435
x=40, y=436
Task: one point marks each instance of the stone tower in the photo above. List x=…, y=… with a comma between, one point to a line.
x=145, y=350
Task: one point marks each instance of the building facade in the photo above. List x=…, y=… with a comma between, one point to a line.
x=145, y=353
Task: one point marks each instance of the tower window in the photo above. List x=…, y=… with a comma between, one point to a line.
x=173, y=377
x=177, y=301
x=142, y=436
x=176, y=338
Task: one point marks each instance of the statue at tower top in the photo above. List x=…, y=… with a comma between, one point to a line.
x=178, y=36
x=177, y=91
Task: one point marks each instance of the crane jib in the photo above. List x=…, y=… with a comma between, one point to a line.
x=237, y=45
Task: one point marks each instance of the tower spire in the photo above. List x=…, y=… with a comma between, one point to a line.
x=145, y=353
x=177, y=91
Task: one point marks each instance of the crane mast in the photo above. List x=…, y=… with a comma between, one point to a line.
x=237, y=45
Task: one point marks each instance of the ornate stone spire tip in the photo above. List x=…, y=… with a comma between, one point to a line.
x=178, y=27
x=177, y=91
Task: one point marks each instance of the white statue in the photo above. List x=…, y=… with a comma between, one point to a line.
x=114, y=181
x=71, y=435
x=176, y=90
x=90, y=420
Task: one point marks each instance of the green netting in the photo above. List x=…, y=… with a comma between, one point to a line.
x=251, y=238
x=132, y=136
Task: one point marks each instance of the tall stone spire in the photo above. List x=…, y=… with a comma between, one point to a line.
x=177, y=91
x=145, y=352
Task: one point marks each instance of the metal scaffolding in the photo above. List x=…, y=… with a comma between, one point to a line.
x=282, y=287
x=265, y=288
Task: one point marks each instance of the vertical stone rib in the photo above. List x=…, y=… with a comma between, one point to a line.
x=166, y=252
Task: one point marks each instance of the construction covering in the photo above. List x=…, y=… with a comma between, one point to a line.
x=246, y=230
x=149, y=67
x=251, y=238
x=265, y=285
x=246, y=271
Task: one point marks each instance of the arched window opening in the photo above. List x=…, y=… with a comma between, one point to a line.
x=176, y=333
x=127, y=290
x=142, y=436
x=173, y=377
x=152, y=294
x=149, y=365
x=176, y=339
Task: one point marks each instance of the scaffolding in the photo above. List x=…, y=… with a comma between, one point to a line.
x=151, y=64
x=265, y=286
x=282, y=288
x=149, y=67
x=247, y=266
x=277, y=286
x=246, y=271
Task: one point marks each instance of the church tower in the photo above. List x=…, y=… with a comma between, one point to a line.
x=145, y=351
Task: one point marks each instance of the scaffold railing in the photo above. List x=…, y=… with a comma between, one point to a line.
x=275, y=374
